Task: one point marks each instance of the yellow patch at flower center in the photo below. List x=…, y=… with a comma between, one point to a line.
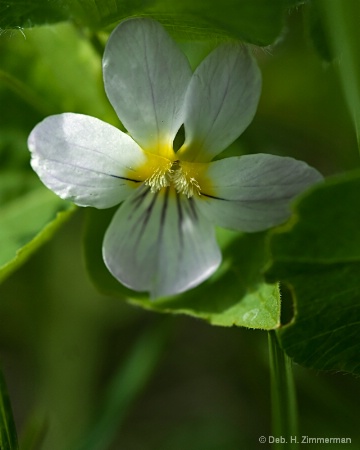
x=184, y=177
x=179, y=175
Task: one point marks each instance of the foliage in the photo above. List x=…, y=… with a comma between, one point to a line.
x=258, y=22
x=51, y=63
x=322, y=269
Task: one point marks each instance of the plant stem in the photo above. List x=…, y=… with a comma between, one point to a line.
x=283, y=398
x=8, y=436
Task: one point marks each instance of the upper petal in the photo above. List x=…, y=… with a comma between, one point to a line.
x=253, y=192
x=85, y=160
x=146, y=76
x=221, y=101
x=160, y=243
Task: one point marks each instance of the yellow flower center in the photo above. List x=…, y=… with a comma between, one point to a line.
x=178, y=175
x=184, y=177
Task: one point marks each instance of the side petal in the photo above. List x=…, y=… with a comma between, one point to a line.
x=220, y=102
x=253, y=192
x=85, y=160
x=146, y=76
x=160, y=243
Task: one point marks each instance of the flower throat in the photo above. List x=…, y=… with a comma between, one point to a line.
x=175, y=176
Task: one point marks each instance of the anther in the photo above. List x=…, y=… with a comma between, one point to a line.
x=175, y=176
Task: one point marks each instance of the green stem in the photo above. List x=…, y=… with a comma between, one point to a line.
x=8, y=436
x=26, y=94
x=283, y=398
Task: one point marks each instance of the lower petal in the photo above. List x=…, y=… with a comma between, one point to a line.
x=253, y=192
x=160, y=243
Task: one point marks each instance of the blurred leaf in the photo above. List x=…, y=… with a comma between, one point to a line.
x=56, y=69
x=127, y=384
x=341, y=19
x=24, y=92
x=259, y=22
x=34, y=431
x=26, y=223
x=8, y=436
x=235, y=295
x=318, y=254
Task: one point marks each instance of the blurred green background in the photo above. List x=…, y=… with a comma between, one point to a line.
x=61, y=343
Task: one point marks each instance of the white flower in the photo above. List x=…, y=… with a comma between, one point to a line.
x=162, y=237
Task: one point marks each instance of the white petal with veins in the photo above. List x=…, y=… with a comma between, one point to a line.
x=254, y=192
x=146, y=76
x=221, y=101
x=85, y=160
x=160, y=243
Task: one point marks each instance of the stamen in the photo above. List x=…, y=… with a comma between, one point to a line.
x=184, y=184
x=158, y=180
x=176, y=176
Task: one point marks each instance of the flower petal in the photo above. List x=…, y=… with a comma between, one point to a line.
x=253, y=192
x=221, y=101
x=85, y=160
x=160, y=243
x=146, y=76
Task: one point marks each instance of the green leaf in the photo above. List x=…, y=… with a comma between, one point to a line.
x=8, y=436
x=318, y=255
x=26, y=223
x=56, y=70
x=235, y=295
x=29, y=13
x=259, y=22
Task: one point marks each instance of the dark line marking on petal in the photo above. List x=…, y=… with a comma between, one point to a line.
x=193, y=209
x=215, y=198
x=83, y=185
x=86, y=169
x=145, y=216
x=123, y=178
x=164, y=209
x=268, y=200
x=143, y=191
x=139, y=199
x=180, y=219
x=163, y=218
